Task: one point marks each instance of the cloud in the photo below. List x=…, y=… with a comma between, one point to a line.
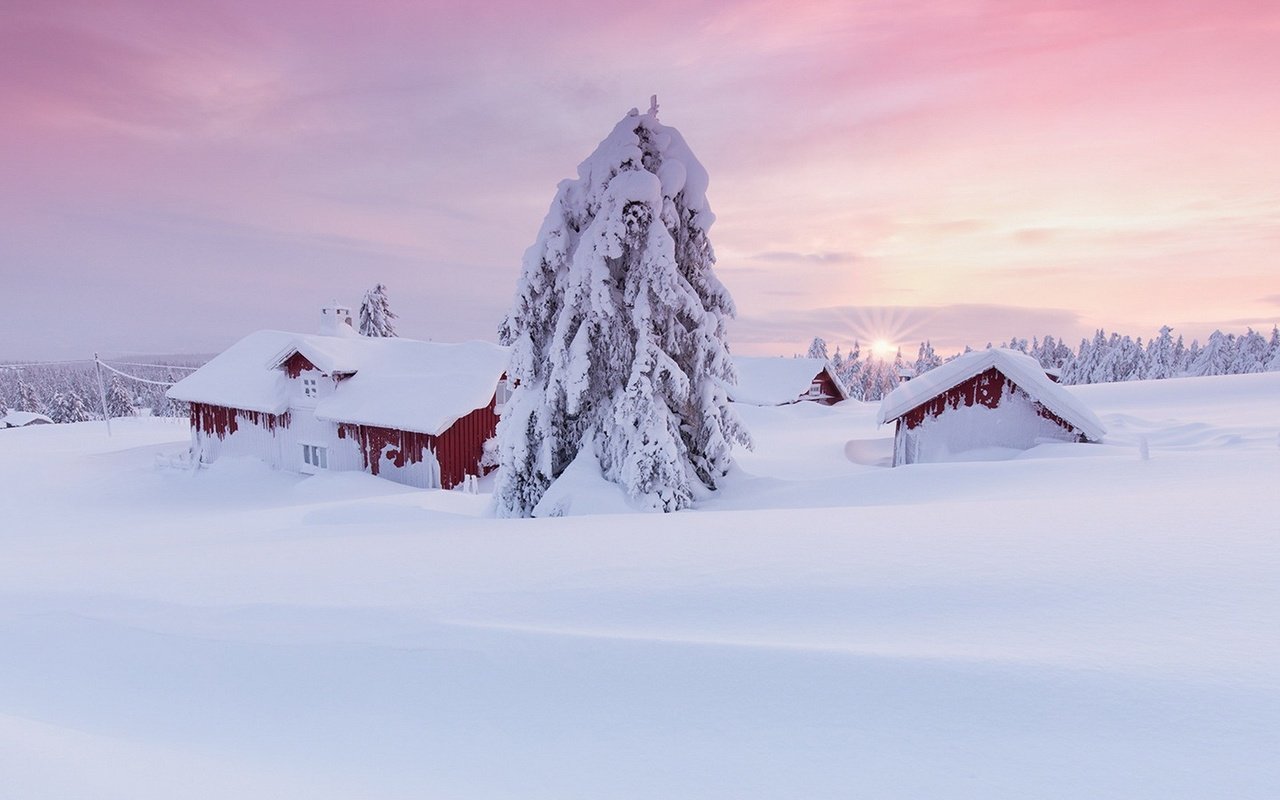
x=1236, y=325
x=790, y=256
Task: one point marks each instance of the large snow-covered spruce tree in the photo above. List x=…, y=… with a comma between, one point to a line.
x=618, y=331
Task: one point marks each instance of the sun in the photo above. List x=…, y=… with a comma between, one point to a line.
x=883, y=349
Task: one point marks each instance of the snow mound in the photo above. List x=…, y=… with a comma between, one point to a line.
x=582, y=489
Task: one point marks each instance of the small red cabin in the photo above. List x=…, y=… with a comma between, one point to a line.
x=781, y=381
x=414, y=412
x=990, y=400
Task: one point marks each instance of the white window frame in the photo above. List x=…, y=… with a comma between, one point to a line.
x=315, y=457
x=310, y=388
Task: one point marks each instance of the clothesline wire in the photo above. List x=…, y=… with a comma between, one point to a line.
x=135, y=377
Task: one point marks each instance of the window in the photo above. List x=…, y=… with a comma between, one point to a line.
x=309, y=387
x=815, y=389
x=315, y=456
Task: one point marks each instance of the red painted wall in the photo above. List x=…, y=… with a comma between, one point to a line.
x=458, y=449
x=220, y=420
x=296, y=364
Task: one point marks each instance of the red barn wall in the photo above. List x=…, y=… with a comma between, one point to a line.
x=220, y=421
x=458, y=450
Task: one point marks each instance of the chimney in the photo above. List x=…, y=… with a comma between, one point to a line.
x=335, y=320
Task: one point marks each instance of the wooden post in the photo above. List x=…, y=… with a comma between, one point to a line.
x=102, y=392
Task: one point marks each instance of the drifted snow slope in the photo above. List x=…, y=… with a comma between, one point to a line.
x=1078, y=622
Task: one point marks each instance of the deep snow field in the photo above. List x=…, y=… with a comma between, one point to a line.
x=1077, y=622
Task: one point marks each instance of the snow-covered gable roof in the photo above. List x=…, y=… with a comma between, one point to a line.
x=1018, y=367
x=396, y=383
x=417, y=386
x=329, y=354
x=17, y=419
x=764, y=381
x=242, y=376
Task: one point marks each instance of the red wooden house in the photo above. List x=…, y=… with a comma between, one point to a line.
x=415, y=412
x=780, y=381
x=991, y=400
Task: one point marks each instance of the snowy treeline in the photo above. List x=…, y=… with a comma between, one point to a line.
x=864, y=375
x=617, y=333
x=1112, y=358
x=1106, y=358
x=68, y=392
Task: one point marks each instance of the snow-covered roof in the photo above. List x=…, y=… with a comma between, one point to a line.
x=397, y=383
x=1018, y=367
x=764, y=381
x=17, y=419
x=329, y=354
x=417, y=386
x=242, y=376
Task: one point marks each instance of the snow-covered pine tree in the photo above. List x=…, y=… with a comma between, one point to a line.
x=28, y=400
x=879, y=376
x=1189, y=357
x=852, y=372
x=1251, y=353
x=899, y=367
x=618, y=331
x=1075, y=371
x=68, y=406
x=926, y=358
x=1162, y=356
x=869, y=378
x=1273, y=350
x=1017, y=344
x=1069, y=367
x=817, y=348
x=1092, y=368
x=167, y=407
x=1124, y=362
x=1216, y=357
x=119, y=401
x=376, y=317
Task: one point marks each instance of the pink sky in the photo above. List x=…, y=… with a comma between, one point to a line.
x=176, y=175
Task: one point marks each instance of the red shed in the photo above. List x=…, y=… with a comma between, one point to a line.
x=413, y=412
x=990, y=400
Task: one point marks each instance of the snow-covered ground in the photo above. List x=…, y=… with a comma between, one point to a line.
x=1075, y=623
